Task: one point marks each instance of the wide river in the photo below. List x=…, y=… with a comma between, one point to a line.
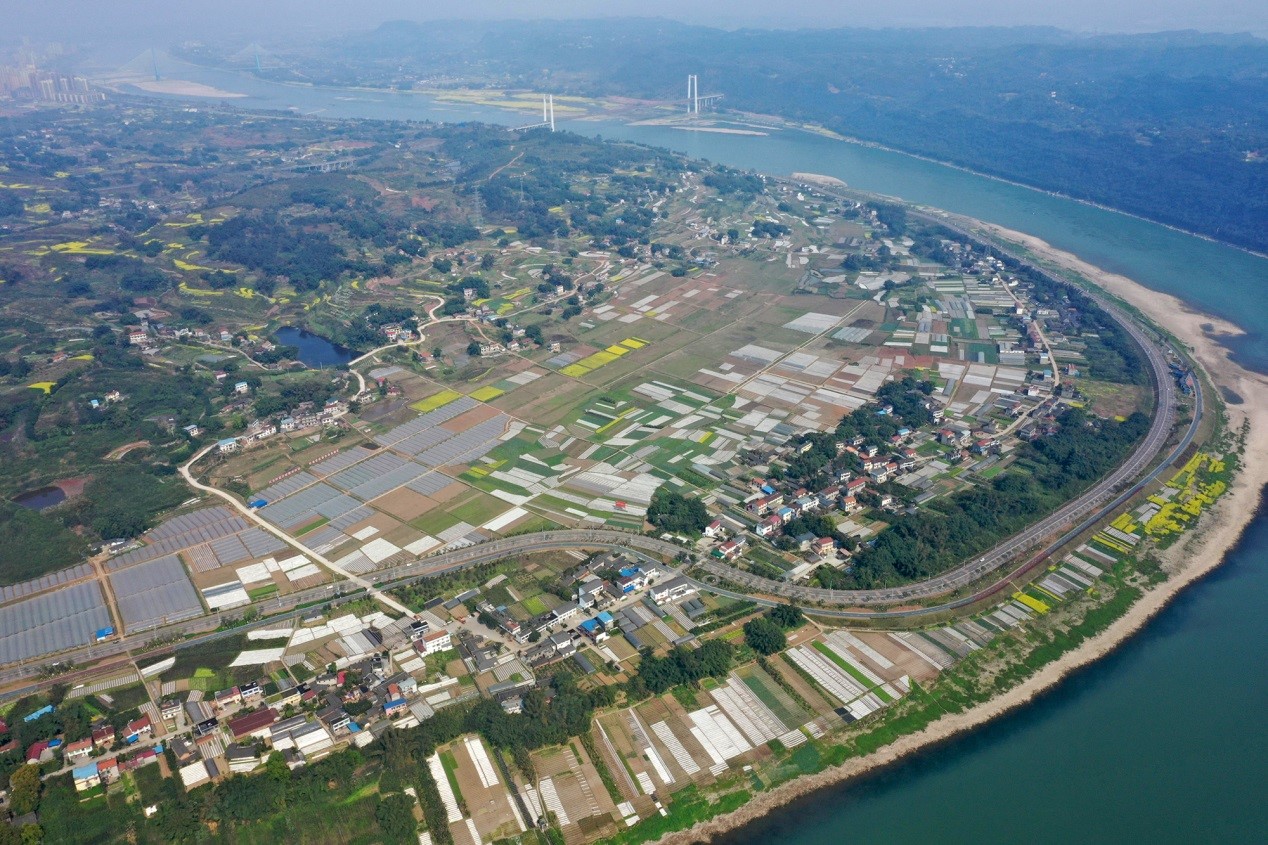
x=1162, y=742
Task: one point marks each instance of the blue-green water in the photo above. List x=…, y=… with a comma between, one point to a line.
x=1163, y=741
x=314, y=350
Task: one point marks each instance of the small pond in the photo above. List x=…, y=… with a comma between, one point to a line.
x=314, y=350
x=38, y=500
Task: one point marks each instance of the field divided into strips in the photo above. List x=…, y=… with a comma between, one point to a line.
x=594, y=361
x=1075, y=574
x=569, y=786
x=838, y=664
x=52, y=622
x=773, y=696
x=436, y=400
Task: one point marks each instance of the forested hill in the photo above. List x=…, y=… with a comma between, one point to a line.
x=1172, y=126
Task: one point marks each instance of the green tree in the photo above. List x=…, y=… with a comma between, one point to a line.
x=764, y=636
x=395, y=815
x=473, y=349
x=24, y=790
x=275, y=767
x=787, y=616
x=672, y=511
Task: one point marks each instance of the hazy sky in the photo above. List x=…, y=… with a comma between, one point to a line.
x=130, y=20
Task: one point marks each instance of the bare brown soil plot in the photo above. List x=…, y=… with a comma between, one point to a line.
x=466, y=420
x=489, y=807
x=404, y=504
x=381, y=521
x=451, y=492
x=816, y=701
x=905, y=663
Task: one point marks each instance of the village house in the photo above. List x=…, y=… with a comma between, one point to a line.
x=434, y=641
x=231, y=697
x=108, y=770
x=823, y=546
x=103, y=735
x=256, y=724
x=768, y=526
x=671, y=590
x=138, y=730
x=86, y=777
x=79, y=750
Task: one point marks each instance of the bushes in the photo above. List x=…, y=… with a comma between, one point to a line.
x=764, y=636
x=940, y=536
x=672, y=511
x=683, y=666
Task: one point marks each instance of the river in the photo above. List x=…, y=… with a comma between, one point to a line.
x=1161, y=742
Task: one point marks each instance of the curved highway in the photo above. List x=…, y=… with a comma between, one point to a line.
x=1070, y=520
x=1076, y=515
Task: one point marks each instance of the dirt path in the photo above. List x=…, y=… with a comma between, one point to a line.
x=118, y=453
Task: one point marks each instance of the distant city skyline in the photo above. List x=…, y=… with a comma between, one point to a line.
x=142, y=20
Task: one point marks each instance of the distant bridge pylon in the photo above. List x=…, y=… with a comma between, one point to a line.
x=695, y=100
x=548, y=115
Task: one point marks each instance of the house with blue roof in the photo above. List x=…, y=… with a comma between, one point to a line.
x=595, y=630
x=86, y=777
x=43, y=711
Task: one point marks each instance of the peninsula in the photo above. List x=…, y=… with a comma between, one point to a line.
x=614, y=496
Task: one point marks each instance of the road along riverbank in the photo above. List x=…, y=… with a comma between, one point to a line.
x=1196, y=554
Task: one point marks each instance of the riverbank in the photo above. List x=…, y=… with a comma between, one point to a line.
x=1187, y=561
x=183, y=88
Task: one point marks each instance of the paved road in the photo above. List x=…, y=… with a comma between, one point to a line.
x=1076, y=515
x=300, y=603
x=1071, y=520
x=254, y=517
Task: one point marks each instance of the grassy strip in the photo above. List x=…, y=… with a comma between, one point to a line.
x=845, y=666
x=688, y=808
x=450, y=765
x=312, y=526
x=262, y=592
x=601, y=766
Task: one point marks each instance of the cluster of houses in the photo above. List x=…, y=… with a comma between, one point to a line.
x=102, y=743
x=234, y=730
x=305, y=417
x=399, y=334
x=591, y=593
x=150, y=333
x=596, y=599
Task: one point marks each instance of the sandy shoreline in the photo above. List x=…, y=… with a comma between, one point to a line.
x=182, y=88
x=1186, y=561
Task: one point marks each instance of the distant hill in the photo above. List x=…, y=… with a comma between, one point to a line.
x=1171, y=126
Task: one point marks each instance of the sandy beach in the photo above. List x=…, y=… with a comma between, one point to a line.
x=1187, y=561
x=182, y=88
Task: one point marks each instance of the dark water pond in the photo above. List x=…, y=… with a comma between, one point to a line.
x=38, y=500
x=314, y=350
